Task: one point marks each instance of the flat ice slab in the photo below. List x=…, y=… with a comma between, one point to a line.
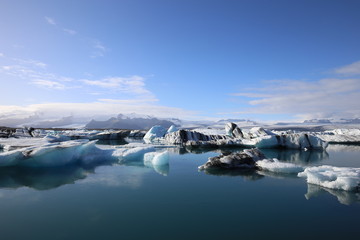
x=342, y=178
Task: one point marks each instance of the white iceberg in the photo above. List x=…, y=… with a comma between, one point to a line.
x=340, y=136
x=274, y=165
x=155, y=132
x=156, y=158
x=171, y=129
x=342, y=178
x=132, y=154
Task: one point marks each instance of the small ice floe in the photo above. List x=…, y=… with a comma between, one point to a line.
x=144, y=156
x=342, y=178
x=274, y=165
x=132, y=154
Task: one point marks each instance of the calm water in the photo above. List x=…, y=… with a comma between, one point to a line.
x=178, y=202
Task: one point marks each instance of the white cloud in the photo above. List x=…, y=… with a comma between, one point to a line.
x=69, y=31
x=50, y=20
x=48, y=84
x=27, y=70
x=99, y=49
x=349, y=70
x=326, y=98
x=30, y=62
x=91, y=110
x=2, y=55
x=131, y=85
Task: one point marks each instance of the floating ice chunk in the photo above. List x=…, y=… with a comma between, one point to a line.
x=274, y=165
x=54, y=154
x=333, y=177
x=171, y=129
x=156, y=158
x=132, y=154
x=155, y=132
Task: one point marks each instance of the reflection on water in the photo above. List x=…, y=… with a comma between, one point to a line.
x=296, y=156
x=41, y=178
x=343, y=148
x=112, y=142
x=248, y=174
x=344, y=197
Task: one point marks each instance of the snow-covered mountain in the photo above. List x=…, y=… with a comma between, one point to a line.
x=132, y=121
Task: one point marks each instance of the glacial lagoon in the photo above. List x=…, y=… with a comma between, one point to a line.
x=176, y=201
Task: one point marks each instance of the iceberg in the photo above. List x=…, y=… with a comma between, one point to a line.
x=55, y=154
x=155, y=132
x=132, y=154
x=172, y=128
x=274, y=165
x=340, y=136
x=244, y=160
x=256, y=137
x=341, y=178
x=156, y=158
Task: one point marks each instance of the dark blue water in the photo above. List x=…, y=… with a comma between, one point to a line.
x=178, y=202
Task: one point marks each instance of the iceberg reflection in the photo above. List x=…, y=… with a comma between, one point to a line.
x=344, y=197
x=41, y=178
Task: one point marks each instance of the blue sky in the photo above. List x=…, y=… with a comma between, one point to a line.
x=261, y=60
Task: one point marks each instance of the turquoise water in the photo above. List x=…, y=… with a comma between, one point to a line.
x=178, y=202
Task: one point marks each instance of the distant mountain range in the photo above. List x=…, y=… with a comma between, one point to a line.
x=129, y=122
x=333, y=121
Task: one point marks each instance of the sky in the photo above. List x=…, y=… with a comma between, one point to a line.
x=197, y=60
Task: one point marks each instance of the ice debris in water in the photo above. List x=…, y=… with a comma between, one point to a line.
x=333, y=177
x=274, y=165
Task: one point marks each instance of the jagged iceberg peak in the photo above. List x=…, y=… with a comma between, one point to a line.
x=156, y=131
x=171, y=129
x=232, y=130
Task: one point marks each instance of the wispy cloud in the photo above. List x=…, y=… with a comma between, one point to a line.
x=35, y=73
x=99, y=49
x=69, y=31
x=130, y=85
x=325, y=98
x=89, y=110
x=349, y=70
x=48, y=84
x=2, y=55
x=31, y=62
x=50, y=20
